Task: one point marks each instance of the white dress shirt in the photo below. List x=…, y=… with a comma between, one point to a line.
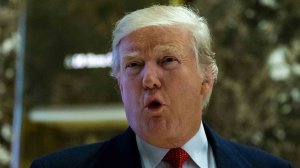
x=198, y=148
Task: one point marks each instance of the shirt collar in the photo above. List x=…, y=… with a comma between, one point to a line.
x=196, y=147
x=150, y=155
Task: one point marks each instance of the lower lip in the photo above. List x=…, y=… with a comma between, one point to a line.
x=154, y=108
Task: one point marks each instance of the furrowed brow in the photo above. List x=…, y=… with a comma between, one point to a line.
x=166, y=48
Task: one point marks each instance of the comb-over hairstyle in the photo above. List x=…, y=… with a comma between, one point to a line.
x=160, y=15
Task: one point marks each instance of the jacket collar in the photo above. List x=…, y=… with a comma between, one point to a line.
x=225, y=153
x=122, y=151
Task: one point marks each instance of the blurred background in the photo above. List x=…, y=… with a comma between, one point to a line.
x=56, y=91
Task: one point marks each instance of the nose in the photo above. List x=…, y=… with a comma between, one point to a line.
x=150, y=75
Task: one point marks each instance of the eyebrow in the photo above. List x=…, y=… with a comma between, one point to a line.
x=130, y=55
x=168, y=48
x=133, y=54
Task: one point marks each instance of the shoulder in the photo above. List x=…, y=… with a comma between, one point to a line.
x=257, y=157
x=103, y=154
x=79, y=156
x=231, y=153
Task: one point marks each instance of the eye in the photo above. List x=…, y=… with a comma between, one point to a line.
x=169, y=62
x=169, y=59
x=132, y=65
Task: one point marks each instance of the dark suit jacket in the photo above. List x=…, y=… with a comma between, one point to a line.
x=122, y=151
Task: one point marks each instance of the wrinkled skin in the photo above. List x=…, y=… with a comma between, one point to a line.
x=158, y=65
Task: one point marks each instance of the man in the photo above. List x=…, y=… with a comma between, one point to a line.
x=165, y=68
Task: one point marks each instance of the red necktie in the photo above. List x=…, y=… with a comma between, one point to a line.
x=176, y=157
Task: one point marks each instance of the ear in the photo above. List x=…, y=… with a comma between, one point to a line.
x=121, y=88
x=207, y=85
x=120, y=85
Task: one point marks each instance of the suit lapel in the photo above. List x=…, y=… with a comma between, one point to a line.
x=120, y=151
x=225, y=152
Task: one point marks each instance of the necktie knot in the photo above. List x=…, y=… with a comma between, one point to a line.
x=176, y=157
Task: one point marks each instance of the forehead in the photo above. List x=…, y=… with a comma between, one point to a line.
x=153, y=36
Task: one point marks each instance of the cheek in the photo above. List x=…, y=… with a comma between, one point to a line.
x=186, y=89
x=129, y=91
x=126, y=94
x=184, y=83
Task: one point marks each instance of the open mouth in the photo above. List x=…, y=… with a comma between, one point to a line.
x=154, y=105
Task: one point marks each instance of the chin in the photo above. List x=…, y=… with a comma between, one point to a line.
x=157, y=125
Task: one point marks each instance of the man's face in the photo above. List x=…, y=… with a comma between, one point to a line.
x=161, y=86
